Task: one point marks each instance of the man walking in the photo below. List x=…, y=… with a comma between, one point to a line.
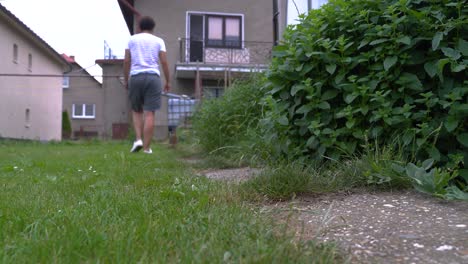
x=145, y=53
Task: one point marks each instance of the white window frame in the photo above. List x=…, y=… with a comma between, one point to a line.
x=66, y=82
x=303, y=6
x=224, y=41
x=83, y=109
x=187, y=26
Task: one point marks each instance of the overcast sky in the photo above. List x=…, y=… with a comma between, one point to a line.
x=75, y=27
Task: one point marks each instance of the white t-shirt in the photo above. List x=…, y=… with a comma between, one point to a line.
x=144, y=51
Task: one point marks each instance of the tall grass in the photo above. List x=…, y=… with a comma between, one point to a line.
x=96, y=203
x=228, y=126
x=375, y=168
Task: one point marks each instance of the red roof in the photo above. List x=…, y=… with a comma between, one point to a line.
x=69, y=59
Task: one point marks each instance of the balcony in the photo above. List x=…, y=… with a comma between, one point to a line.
x=241, y=58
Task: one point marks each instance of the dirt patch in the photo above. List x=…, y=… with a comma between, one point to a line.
x=232, y=175
x=381, y=227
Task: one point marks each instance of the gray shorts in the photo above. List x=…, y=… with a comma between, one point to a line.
x=144, y=92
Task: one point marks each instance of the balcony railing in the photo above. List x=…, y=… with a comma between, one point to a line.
x=247, y=53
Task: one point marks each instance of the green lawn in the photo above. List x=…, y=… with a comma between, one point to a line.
x=93, y=202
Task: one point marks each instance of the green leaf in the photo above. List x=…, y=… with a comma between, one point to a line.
x=436, y=40
x=296, y=88
x=350, y=123
x=410, y=81
x=463, y=139
x=408, y=137
x=440, y=68
x=283, y=120
x=461, y=109
x=329, y=94
x=455, y=67
x=378, y=41
x=304, y=109
x=431, y=68
x=331, y=68
x=454, y=193
x=451, y=53
x=389, y=62
x=464, y=174
x=327, y=131
x=462, y=46
x=405, y=40
x=280, y=51
x=312, y=142
x=434, y=153
x=340, y=77
x=451, y=123
x=364, y=109
x=363, y=43
x=324, y=105
x=349, y=98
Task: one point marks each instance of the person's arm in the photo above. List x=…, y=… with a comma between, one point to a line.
x=165, y=68
x=126, y=67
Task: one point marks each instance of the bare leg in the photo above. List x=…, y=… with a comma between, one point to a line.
x=148, y=129
x=138, y=124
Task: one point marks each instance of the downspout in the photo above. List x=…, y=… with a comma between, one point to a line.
x=275, y=22
x=129, y=6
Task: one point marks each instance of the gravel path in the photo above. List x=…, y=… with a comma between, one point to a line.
x=385, y=227
x=382, y=227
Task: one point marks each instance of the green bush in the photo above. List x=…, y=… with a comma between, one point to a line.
x=228, y=122
x=66, y=125
x=361, y=69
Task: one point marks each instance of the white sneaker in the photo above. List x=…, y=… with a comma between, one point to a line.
x=149, y=151
x=137, y=145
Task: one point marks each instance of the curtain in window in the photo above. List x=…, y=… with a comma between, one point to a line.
x=215, y=31
x=232, y=32
x=223, y=31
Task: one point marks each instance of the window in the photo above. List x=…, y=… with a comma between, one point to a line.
x=85, y=111
x=15, y=53
x=223, y=31
x=297, y=7
x=66, y=82
x=29, y=62
x=212, y=92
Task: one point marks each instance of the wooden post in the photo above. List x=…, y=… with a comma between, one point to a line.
x=225, y=79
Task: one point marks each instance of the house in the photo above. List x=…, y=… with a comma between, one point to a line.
x=30, y=83
x=116, y=107
x=209, y=42
x=83, y=99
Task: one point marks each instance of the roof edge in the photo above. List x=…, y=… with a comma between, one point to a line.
x=33, y=35
x=102, y=62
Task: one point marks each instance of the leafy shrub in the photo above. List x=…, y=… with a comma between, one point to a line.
x=435, y=181
x=225, y=122
x=66, y=125
x=376, y=69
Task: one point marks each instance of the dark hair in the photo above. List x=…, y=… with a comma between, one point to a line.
x=147, y=23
